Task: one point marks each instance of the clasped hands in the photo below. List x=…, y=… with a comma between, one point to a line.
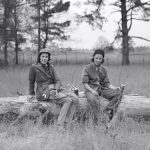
x=53, y=92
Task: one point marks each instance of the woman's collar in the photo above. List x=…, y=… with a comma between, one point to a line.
x=44, y=65
x=96, y=65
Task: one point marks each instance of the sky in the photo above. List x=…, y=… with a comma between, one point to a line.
x=83, y=36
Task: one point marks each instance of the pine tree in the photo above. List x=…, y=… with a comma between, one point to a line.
x=49, y=27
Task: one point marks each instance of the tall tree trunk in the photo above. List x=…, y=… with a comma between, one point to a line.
x=39, y=26
x=5, y=49
x=15, y=32
x=46, y=38
x=125, y=38
x=45, y=25
x=5, y=33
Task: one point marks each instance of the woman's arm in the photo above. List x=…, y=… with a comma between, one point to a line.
x=85, y=81
x=57, y=82
x=113, y=87
x=107, y=82
x=88, y=88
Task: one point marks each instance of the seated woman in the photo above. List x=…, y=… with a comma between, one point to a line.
x=44, y=75
x=96, y=83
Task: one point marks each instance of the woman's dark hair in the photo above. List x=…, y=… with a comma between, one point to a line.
x=98, y=51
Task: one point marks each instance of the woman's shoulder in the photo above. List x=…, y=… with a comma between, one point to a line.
x=51, y=66
x=88, y=66
x=34, y=65
x=104, y=67
x=32, y=68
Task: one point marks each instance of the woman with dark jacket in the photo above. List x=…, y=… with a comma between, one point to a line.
x=96, y=83
x=47, y=87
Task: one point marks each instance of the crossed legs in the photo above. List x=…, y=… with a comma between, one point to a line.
x=69, y=104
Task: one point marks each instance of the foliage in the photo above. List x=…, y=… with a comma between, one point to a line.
x=11, y=26
x=102, y=43
x=16, y=24
x=11, y=5
x=51, y=28
x=92, y=16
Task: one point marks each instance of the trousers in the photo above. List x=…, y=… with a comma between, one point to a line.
x=68, y=102
x=113, y=96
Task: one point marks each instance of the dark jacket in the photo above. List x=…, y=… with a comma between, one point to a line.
x=95, y=76
x=43, y=77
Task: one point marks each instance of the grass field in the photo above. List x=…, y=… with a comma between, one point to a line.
x=81, y=57
x=136, y=78
x=127, y=135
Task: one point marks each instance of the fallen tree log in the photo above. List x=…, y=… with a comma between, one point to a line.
x=13, y=107
x=135, y=105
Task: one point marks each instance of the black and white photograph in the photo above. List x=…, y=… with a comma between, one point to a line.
x=74, y=74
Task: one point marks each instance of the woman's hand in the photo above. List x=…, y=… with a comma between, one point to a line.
x=114, y=87
x=117, y=88
x=53, y=92
x=88, y=88
x=94, y=92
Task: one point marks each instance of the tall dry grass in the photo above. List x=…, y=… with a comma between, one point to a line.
x=128, y=135
x=81, y=57
x=136, y=78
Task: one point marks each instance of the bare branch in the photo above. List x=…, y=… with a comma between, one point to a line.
x=131, y=20
x=118, y=35
x=138, y=37
x=141, y=19
x=136, y=6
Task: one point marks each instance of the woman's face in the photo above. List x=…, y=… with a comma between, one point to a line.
x=98, y=58
x=44, y=58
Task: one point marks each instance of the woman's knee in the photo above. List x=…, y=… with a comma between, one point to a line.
x=90, y=97
x=111, y=94
x=74, y=98
x=67, y=100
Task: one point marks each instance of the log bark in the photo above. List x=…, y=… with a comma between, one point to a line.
x=131, y=105
x=135, y=106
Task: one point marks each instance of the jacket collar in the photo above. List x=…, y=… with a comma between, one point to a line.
x=41, y=68
x=97, y=66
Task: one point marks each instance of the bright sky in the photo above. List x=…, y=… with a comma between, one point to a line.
x=84, y=37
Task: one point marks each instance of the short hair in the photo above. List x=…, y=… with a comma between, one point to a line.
x=98, y=51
